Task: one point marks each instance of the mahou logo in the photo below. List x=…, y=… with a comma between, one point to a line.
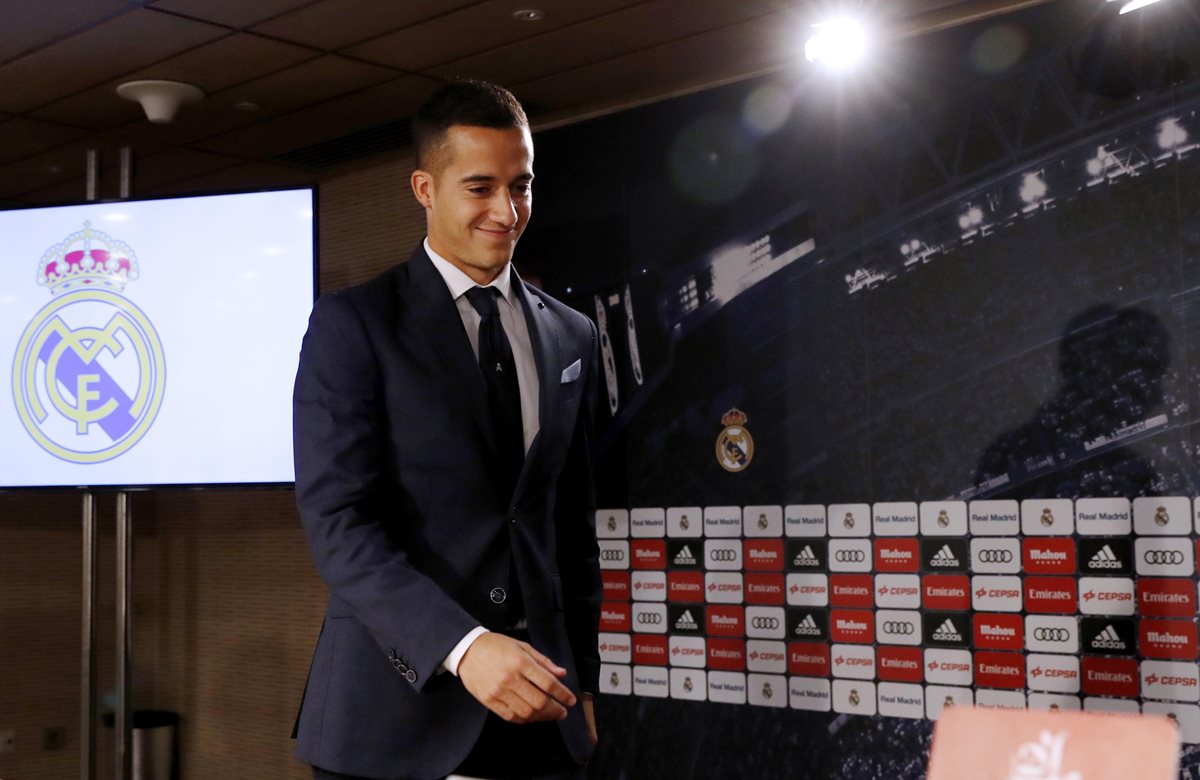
x=897, y=555
x=1171, y=639
x=994, y=631
x=854, y=626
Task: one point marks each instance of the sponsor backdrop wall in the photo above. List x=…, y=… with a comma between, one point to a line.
x=898, y=402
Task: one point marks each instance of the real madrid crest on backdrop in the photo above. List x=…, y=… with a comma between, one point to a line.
x=735, y=446
x=89, y=372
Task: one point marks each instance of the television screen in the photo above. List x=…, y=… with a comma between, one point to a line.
x=153, y=342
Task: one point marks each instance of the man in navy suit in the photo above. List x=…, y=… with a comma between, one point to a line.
x=441, y=428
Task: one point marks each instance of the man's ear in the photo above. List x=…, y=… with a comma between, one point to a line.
x=422, y=187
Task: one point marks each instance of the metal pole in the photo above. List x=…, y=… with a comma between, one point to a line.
x=126, y=171
x=124, y=714
x=87, y=660
x=87, y=714
x=93, y=173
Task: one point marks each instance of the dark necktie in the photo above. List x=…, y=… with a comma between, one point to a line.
x=504, y=402
x=500, y=376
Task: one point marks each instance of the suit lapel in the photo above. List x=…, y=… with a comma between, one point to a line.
x=435, y=314
x=543, y=336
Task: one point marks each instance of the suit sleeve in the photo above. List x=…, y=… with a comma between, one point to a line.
x=347, y=496
x=578, y=552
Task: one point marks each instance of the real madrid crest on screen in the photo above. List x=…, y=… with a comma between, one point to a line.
x=735, y=446
x=88, y=374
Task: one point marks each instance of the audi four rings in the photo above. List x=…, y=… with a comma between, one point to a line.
x=899, y=627
x=1162, y=556
x=722, y=555
x=849, y=556
x=764, y=622
x=1044, y=634
x=994, y=556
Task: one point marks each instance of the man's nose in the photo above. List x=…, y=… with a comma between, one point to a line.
x=504, y=209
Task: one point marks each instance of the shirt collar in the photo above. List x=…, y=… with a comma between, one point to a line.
x=459, y=283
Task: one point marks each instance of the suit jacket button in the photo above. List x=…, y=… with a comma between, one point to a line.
x=391, y=655
x=411, y=676
x=396, y=664
x=498, y=595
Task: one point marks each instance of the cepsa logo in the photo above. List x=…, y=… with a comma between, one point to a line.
x=1048, y=556
x=899, y=664
x=993, y=631
x=851, y=625
x=1110, y=677
x=1106, y=596
x=1173, y=639
x=725, y=620
x=616, y=585
x=808, y=659
x=808, y=590
x=851, y=590
x=1050, y=595
x=946, y=592
x=1166, y=597
x=1000, y=670
x=762, y=554
x=723, y=587
x=1172, y=680
x=897, y=555
x=615, y=617
x=764, y=589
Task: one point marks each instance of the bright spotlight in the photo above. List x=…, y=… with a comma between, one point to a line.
x=1033, y=188
x=838, y=44
x=1171, y=135
x=1133, y=5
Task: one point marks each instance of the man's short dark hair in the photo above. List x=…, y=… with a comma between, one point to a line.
x=470, y=103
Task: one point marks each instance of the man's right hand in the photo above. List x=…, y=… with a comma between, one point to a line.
x=514, y=680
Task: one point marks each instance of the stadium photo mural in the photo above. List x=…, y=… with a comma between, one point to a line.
x=898, y=403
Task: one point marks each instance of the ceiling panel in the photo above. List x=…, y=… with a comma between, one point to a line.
x=235, y=13
x=213, y=67
x=475, y=29
x=42, y=170
x=22, y=137
x=25, y=25
x=239, y=177
x=116, y=47
x=332, y=24
x=369, y=108
x=746, y=48
x=166, y=167
x=602, y=38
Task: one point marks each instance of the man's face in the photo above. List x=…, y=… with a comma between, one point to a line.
x=478, y=197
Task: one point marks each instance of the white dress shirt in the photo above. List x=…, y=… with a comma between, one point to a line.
x=512, y=319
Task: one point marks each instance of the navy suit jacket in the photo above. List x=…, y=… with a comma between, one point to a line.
x=400, y=491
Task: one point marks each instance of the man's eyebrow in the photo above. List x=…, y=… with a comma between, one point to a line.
x=476, y=178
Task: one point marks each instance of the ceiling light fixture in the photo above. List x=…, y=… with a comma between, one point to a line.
x=160, y=99
x=529, y=15
x=1133, y=5
x=838, y=44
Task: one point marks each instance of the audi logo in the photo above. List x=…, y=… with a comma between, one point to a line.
x=1044, y=634
x=898, y=627
x=764, y=622
x=722, y=555
x=1162, y=556
x=612, y=555
x=649, y=618
x=849, y=556
x=995, y=556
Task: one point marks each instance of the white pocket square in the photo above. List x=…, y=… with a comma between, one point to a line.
x=571, y=372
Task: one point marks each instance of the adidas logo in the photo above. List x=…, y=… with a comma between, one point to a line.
x=684, y=557
x=1104, y=559
x=807, y=627
x=805, y=558
x=944, y=557
x=686, y=622
x=1108, y=640
x=946, y=632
